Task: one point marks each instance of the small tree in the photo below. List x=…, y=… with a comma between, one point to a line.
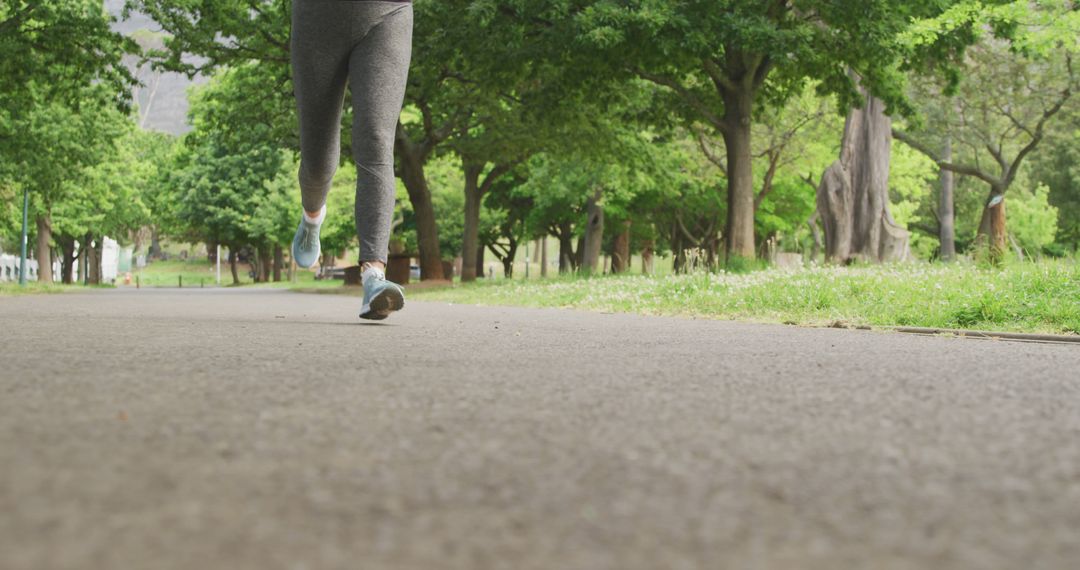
x=1010, y=94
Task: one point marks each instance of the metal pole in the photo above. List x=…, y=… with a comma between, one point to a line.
x=218, y=259
x=25, y=220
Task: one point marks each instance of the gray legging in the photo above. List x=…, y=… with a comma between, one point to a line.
x=367, y=45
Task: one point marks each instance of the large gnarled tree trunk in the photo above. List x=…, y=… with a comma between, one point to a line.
x=853, y=198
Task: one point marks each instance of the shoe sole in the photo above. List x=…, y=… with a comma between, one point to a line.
x=386, y=302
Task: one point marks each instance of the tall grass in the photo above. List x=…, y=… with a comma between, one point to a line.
x=1033, y=297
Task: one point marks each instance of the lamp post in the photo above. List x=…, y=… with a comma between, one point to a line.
x=22, y=253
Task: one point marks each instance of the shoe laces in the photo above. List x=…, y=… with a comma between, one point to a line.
x=307, y=240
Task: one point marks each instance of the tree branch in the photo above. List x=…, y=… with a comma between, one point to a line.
x=686, y=95
x=964, y=169
x=1039, y=130
x=495, y=174
x=722, y=82
x=767, y=184
x=709, y=154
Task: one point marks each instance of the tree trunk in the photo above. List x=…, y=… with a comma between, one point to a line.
x=98, y=273
x=998, y=237
x=508, y=259
x=738, y=115
x=427, y=231
x=543, y=257
x=946, y=208
x=136, y=243
x=579, y=252
x=678, y=251
x=620, y=257
x=853, y=198
x=67, y=261
x=44, y=248
x=479, y=260
x=94, y=248
x=997, y=227
x=155, y=244
x=84, y=258
x=232, y=266
x=594, y=234
x=279, y=261
x=91, y=262
x=254, y=261
x=566, y=248
x=264, y=263
x=647, y=258
x=992, y=227
x=471, y=236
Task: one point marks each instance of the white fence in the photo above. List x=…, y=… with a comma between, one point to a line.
x=110, y=262
x=9, y=268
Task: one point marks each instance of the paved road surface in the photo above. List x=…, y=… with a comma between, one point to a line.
x=264, y=430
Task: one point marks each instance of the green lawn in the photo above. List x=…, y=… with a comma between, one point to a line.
x=12, y=289
x=192, y=273
x=200, y=272
x=1043, y=297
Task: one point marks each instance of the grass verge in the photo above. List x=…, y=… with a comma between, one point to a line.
x=201, y=273
x=35, y=288
x=1037, y=298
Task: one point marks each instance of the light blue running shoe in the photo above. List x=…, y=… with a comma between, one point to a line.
x=305, y=245
x=381, y=297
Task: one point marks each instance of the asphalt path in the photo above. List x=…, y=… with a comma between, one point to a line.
x=265, y=429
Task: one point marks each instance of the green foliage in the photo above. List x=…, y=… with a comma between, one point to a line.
x=1018, y=83
x=228, y=187
x=54, y=51
x=276, y=206
x=1032, y=220
x=64, y=93
x=339, y=229
x=1058, y=168
x=108, y=198
x=912, y=180
x=794, y=41
x=1019, y=297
